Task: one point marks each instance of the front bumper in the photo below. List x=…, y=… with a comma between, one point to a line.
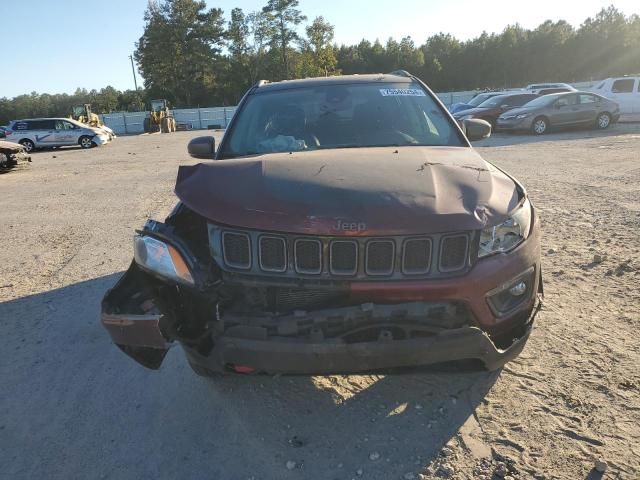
x=514, y=124
x=9, y=159
x=299, y=357
x=100, y=139
x=480, y=330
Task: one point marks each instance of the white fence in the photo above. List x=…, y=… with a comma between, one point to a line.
x=130, y=123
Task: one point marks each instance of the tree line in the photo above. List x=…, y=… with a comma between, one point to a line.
x=191, y=56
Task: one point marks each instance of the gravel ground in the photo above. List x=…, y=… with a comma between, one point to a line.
x=73, y=406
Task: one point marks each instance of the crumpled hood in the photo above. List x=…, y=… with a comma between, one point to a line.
x=364, y=191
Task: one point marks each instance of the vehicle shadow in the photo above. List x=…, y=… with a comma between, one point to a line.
x=74, y=406
x=501, y=139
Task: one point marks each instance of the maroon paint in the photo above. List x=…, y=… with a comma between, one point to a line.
x=387, y=190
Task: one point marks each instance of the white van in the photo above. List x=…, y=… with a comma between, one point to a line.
x=34, y=133
x=625, y=91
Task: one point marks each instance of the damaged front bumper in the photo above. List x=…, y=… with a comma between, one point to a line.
x=485, y=315
x=9, y=158
x=299, y=357
x=406, y=335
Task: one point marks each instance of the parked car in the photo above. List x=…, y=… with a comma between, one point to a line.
x=12, y=155
x=474, y=102
x=35, y=133
x=345, y=225
x=547, y=88
x=625, y=91
x=491, y=109
x=2, y=132
x=559, y=110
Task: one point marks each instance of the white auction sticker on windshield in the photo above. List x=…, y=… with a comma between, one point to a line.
x=402, y=92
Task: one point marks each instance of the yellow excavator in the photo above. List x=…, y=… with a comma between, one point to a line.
x=160, y=118
x=83, y=114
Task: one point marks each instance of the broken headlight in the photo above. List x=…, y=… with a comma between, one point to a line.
x=161, y=258
x=508, y=234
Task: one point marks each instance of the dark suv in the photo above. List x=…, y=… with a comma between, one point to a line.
x=343, y=224
x=492, y=108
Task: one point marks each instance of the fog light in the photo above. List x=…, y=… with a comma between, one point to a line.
x=518, y=289
x=512, y=294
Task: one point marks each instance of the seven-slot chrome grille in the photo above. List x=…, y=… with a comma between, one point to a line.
x=326, y=257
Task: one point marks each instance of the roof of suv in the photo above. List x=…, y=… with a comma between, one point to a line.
x=335, y=80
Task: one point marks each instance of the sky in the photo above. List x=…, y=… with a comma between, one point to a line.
x=61, y=45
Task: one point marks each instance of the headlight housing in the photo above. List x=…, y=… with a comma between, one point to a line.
x=523, y=115
x=162, y=259
x=508, y=234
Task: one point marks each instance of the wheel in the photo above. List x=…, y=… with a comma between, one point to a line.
x=85, y=142
x=165, y=125
x=28, y=145
x=603, y=121
x=540, y=126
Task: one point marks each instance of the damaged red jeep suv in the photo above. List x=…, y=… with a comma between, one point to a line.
x=343, y=224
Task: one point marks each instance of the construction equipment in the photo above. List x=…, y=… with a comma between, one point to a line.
x=160, y=118
x=82, y=113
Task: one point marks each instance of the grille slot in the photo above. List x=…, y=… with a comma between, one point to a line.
x=416, y=256
x=236, y=249
x=308, y=256
x=273, y=254
x=380, y=255
x=326, y=257
x=344, y=257
x=453, y=253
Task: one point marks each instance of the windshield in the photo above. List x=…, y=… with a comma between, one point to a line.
x=494, y=101
x=541, y=101
x=477, y=100
x=339, y=116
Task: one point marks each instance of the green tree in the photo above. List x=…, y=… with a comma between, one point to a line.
x=239, y=69
x=180, y=49
x=318, y=53
x=261, y=30
x=284, y=17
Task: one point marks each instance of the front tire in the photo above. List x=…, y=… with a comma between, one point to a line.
x=540, y=126
x=28, y=145
x=85, y=142
x=603, y=121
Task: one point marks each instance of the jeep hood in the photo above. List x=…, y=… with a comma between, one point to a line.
x=375, y=191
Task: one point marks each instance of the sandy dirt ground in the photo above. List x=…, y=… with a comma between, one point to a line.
x=73, y=406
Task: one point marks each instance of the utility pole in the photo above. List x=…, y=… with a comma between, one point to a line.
x=133, y=70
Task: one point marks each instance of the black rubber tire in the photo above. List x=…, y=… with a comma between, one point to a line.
x=603, y=125
x=28, y=145
x=85, y=142
x=538, y=131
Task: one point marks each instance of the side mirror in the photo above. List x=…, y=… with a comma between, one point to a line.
x=476, y=129
x=202, y=147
